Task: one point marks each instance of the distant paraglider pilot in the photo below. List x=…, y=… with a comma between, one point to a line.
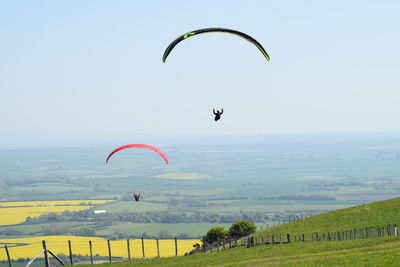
x=218, y=114
x=136, y=197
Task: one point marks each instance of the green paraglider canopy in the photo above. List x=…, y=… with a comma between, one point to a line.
x=207, y=30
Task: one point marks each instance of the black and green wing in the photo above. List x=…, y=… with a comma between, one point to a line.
x=234, y=32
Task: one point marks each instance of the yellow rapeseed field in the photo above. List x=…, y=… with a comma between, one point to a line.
x=17, y=212
x=29, y=247
x=51, y=203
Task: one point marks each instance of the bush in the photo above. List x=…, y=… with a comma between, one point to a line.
x=242, y=228
x=216, y=233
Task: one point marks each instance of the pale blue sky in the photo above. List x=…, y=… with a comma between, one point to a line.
x=93, y=69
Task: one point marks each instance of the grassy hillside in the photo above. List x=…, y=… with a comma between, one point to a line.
x=367, y=252
x=382, y=251
x=373, y=214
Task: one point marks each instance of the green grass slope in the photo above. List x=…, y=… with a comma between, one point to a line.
x=373, y=214
x=383, y=251
x=366, y=252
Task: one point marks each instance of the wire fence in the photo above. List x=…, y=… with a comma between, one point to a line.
x=75, y=250
x=286, y=238
x=68, y=250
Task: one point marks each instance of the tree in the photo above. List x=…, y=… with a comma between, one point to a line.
x=241, y=228
x=216, y=233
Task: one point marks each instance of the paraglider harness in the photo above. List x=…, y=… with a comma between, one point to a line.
x=136, y=197
x=218, y=114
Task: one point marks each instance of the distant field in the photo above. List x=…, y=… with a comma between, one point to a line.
x=133, y=206
x=152, y=229
x=174, y=229
x=17, y=212
x=29, y=247
x=278, y=208
x=29, y=230
x=182, y=176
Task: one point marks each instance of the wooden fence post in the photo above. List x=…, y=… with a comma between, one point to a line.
x=158, y=248
x=8, y=256
x=128, y=246
x=204, y=244
x=70, y=252
x=144, y=256
x=91, y=251
x=288, y=237
x=176, y=247
x=46, y=255
x=109, y=251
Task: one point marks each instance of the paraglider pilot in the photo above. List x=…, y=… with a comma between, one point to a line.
x=136, y=196
x=218, y=114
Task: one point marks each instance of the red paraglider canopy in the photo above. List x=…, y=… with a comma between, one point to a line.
x=139, y=146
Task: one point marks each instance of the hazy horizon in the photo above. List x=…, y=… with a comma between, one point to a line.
x=171, y=140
